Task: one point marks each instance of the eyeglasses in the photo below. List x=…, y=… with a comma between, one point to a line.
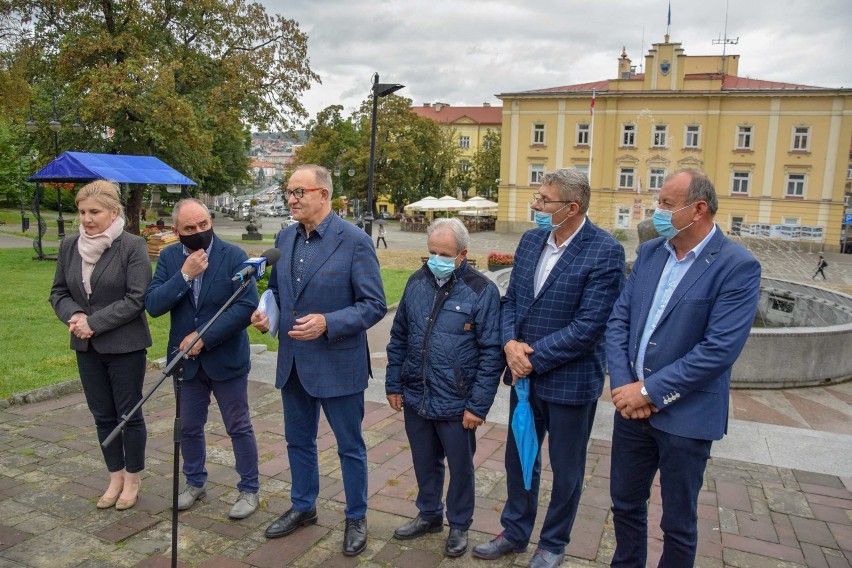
x=299, y=192
x=538, y=200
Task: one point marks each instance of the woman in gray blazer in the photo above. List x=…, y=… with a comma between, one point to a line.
x=99, y=293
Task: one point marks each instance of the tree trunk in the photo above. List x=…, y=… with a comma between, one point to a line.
x=133, y=208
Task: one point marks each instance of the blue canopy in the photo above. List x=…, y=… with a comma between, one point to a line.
x=81, y=166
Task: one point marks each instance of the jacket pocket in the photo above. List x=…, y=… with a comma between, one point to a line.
x=461, y=383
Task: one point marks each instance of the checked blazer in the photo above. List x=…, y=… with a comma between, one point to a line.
x=343, y=283
x=565, y=322
x=225, y=354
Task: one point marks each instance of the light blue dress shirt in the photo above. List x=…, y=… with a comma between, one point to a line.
x=673, y=273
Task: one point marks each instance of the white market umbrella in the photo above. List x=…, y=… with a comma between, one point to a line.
x=422, y=205
x=480, y=203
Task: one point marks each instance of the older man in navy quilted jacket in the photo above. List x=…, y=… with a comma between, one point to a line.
x=444, y=367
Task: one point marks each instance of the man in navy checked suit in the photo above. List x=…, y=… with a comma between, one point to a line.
x=329, y=290
x=566, y=277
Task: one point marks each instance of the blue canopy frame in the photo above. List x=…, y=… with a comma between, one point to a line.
x=73, y=167
x=78, y=167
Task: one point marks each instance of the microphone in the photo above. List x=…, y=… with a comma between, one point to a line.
x=256, y=266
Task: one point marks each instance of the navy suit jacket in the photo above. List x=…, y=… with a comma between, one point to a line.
x=565, y=322
x=343, y=283
x=699, y=337
x=226, y=346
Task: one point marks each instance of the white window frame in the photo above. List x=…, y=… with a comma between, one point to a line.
x=655, y=178
x=745, y=137
x=626, y=175
x=536, y=173
x=789, y=220
x=464, y=142
x=795, y=185
x=740, y=182
x=660, y=136
x=539, y=133
x=800, y=141
x=628, y=135
x=583, y=134
x=622, y=216
x=692, y=138
x=464, y=165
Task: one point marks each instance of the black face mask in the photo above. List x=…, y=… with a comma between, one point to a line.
x=199, y=240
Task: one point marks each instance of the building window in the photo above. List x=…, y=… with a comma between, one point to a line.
x=582, y=135
x=538, y=133
x=655, y=179
x=801, y=138
x=626, y=178
x=795, y=185
x=848, y=172
x=628, y=134
x=740, y=183
x=536, y=173
x=464, y=165
x=487, y=143
x=744, y=137
x=691, y=137
x=622, y=217
x=464, y=142
x=660, y=139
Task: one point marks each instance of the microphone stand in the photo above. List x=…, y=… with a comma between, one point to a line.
x=175, y=367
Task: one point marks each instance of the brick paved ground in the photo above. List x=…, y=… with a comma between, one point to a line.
x=51, y=474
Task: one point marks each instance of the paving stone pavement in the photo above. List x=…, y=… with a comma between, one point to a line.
x=51, y=474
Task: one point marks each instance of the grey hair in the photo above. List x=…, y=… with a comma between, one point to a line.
x=573, y=186
x=322, y=176
x=183, y=202
x=700, y=188
x=451, y=224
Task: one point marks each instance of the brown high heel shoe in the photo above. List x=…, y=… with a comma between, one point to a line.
x=107, y=501
x=122, y=504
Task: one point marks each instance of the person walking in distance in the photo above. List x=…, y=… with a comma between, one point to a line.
x=381, y=236
x=820, y=266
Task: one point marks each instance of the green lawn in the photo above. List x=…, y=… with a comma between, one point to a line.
x=34, y=344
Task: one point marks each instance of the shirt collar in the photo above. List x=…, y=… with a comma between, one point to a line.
x=696, y=250
x=551, y=240
x=321, y=228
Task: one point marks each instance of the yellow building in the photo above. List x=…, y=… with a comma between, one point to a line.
x=778, y=153
x=468, y=125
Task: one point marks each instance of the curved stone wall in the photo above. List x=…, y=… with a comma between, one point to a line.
x=814, y=346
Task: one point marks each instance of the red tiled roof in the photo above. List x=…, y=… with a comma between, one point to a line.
x=261, y=164
x=729, y=83
x=451, y=114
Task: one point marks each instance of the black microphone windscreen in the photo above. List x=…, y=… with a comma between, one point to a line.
x=272, y=255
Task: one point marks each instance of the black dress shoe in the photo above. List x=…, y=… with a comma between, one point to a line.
x=418, y=527
x=456, y=543
x=494, y=549
x=355, y=537
x=289, y=522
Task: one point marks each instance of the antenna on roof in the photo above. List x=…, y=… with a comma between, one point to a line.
x=726, y=41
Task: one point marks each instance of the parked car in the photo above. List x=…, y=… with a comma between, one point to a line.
x=386, y=216
x=288, y=220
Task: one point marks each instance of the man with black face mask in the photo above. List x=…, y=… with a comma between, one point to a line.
x=192, y=282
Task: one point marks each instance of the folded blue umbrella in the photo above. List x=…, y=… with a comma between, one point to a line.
x=523, y=426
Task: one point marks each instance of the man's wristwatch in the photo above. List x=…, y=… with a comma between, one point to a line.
x=186, y=277
x=645, y=395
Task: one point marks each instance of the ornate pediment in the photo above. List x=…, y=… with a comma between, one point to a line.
x=690, y=162
x=627, y=160
x=658, y=161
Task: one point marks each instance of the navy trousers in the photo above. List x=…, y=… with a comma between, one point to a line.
x=301, y=423
x=638, y=451
x=568, y=428
x=112, y=384
x=431, y=441
x=232, y=397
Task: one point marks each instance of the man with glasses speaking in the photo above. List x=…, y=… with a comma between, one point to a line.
x=329, y=292
x=566, y=277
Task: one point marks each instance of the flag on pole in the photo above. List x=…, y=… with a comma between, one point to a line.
x=669, y=22
x=592, y=106
x=638, y=184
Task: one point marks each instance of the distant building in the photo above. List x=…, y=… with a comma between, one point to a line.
x=778, y=153
x=468, y=124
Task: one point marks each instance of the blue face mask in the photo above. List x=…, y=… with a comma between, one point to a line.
x=545, y=220
x=663, y=222
x=441, y=266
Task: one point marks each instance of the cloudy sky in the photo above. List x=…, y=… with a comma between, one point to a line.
x=463, y=52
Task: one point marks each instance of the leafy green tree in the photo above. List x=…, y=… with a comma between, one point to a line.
x=182, y=81
x=486, y=165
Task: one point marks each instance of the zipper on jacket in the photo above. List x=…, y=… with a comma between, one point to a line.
x=437, y=304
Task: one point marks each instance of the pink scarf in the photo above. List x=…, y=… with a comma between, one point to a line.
x=91, y=247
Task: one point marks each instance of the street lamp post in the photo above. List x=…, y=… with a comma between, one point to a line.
x=379, y=90
x=55, y=126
